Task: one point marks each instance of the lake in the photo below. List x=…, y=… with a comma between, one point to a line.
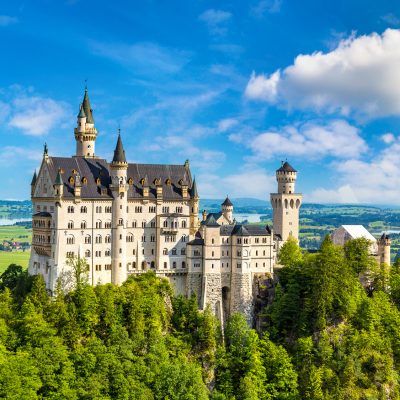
x=12, y=221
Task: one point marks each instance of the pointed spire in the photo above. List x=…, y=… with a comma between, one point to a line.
x=87, y=108
x=34, y=178
x=81, y=112
x=45, y=150
x=58, y=180
x=119, y=152
x=145, y=181
x=194, y=188
x=227, y=202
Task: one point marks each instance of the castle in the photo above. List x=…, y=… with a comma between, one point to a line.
x=126, y=218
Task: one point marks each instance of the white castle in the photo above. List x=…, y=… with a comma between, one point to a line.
x=126, y=219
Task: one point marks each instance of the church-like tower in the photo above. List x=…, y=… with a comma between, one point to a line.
x=227, y=209
x=85, y=132
x=286, y=203
x=119, y=189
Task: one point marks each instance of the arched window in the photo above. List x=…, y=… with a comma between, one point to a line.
x=88, y=239
x=129, y=238
x=212, y=241
x=70, y=225
x=70, y=239
x=98, y=224
x=183, y=264
x=165, y=252
x=107, y=239
x=98, y=239
x=174, y=252
x=134, y=224
x=184, y=223
x=70, y=209
x=120, y=221
x=83, y=209
x=87, y=253
x=143, y=224
x=83, y=225
x=174, y=264
x=152, y=265
x=165, y=224
x=291, y=203
x=108, y=253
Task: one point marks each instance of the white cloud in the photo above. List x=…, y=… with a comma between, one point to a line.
x=390, y=19
x=372, y=182
x=216, y=20
x=14, y=154
x=6, y=20
x=265, y=6
x=36, y=115
x=143, y=57
x=388, y=138
x=226, y=124
x=335, y=138
x=360, y=76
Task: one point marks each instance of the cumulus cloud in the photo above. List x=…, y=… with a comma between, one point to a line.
x=6, y=20
x=265, y=7
x=335, y=138
x=216, y=20
x=360, y=76
x=388, y=138
x=372, y=182
x=36, y=115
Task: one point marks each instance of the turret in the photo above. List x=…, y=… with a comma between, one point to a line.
x=119, y=188
x=384, y=243
x=286, y=203
x=85, y=132
x=194, y=208
x=227, y=209
x=58, y=185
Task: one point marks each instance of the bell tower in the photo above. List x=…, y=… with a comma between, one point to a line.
x=286, y=203
x=85, y=132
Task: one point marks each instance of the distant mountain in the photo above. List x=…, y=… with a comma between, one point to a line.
x=237, y=202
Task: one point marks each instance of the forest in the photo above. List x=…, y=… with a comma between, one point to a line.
x=330, y=331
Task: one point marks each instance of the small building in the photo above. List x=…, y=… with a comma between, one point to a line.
x=379, y=248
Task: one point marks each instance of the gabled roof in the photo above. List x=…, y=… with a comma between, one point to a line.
x=210, y=221
x=227, y=202
x=119, y=152
x=240, y=230
x=358, y=231
x=286, y=167
x=97, y=173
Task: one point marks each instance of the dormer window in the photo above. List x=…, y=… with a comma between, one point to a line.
x=97, y=181
x=84, y=180
x=71, y=180
x=130, y=181
x=168, y=181
x=74, y=171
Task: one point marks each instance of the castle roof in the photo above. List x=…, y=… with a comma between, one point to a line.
x=286, y=167
x=58, y=180
x=245, y=230
x=97, y=174
x=227, y=202
x=34, y=178
x=193, y=192
x=119, y=152
x=81, y=112
x=87, y=108
x=196, y=242
x=210, y=221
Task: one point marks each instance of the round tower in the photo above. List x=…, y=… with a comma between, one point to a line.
x=384, y=249
x=286, y=203
x=85, y=132
x=227, y=209
x=119, y=188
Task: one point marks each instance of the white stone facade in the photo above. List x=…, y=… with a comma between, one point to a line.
x=130, y=218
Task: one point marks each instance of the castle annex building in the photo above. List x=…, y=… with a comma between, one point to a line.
x=126, y=218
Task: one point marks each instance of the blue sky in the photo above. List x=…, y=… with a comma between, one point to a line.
x=234, y=86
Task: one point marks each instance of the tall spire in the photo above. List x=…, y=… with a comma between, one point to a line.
x=87, y=108
x=194, y=189
x=119, y=152
x=34, y=178
x=58, y=180
x=81, y=112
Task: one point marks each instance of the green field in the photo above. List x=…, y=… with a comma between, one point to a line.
x=13, y=257
x=18, y=234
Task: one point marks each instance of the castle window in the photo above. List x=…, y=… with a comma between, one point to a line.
x=143, y=224
x=165, y=264
x=143, y=238
x=153, y=224
x=130, y=181
x=71, y=180
x=256, y=240
x=178, y=210
x=134, y=252
x=256, y=265
x=152, y=238
x=83, y=225
x=120, y=251
x=152, y=209
x=138, y=209
x=212, y=241
x=165, y=210
x=84, y=180
x=152, y=252
x=263, y=252
x=183, y=264
x=264, y=240
x=183, y=251
x=70, y=240
x=134, y=224
x=70, y=209
x=142, y=251
x=174, y=264
x=70, y=225
x=174, y=252
x=107, y=224
x=256, y=252
x=184, y=223
x=165, y=224
x=129, y=238
x=88, y=239
x=70, y=254
x=98, y=267
x=120, y=237
x=239, y=241
x=107, y=239
x=165, y=252
x=212, y=254
x=83, y=210
x=87, y=253
x=184, y=238
x=98, y=239
x=239, y=253
x=108, y=253
x=212, y=266
x=223, y=253
x=196, y=253
x=120, y=221
x=263, y=264
x=152, y=265
x=134, y=264
x=238, y=265
x=98, y=181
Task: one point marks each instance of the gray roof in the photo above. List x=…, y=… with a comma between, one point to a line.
x=87, y=108
x=96, y=168
x=119, y=152
x=42, y=214
x=196, y=242
x=58, y=180
x=286, y=167
x=245, y=230
x=34, y=178
x=227, y=202
x=193, y=192
x=81, y=112
x=210, y=221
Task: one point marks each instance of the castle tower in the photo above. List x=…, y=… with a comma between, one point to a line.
x=286, y=203
x=85, y=132
x=119, y=188
x=194, y=208
x=227, y=209
x=384, y=249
